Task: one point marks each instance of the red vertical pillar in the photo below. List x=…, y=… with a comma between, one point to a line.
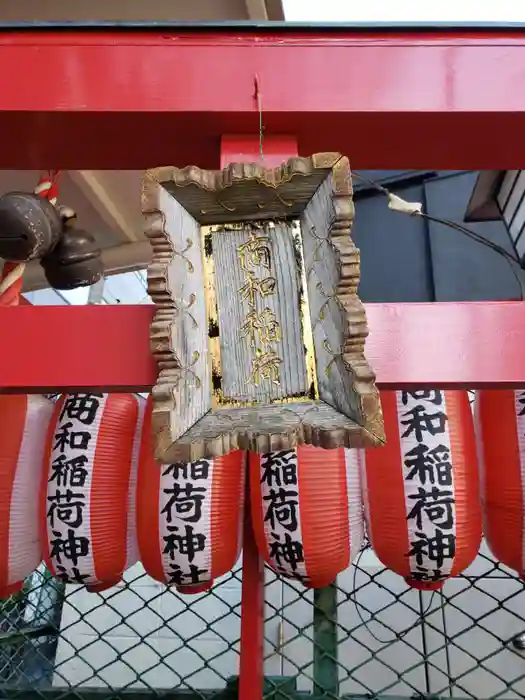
x=275, y=150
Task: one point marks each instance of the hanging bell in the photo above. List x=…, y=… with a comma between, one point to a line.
x=30, y=226
x=76, y=260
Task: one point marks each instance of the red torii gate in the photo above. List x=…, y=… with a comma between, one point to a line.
x=447, y=99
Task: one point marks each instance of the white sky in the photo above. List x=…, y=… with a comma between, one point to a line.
x=405, y=10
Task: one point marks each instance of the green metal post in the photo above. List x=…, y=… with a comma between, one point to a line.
x=326, y=677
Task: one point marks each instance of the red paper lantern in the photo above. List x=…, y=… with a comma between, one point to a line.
x=420, y=490
x=132, y=545
x=500, y=421
x=24, y=422
x=307, y=511
x=189, y=516
x=86, y=487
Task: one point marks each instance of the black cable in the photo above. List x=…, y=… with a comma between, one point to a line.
x=510, y=259
x=365, y=623
x=372, y=183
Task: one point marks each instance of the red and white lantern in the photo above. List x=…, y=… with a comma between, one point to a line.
x=189, y=516
x=85, y=491
x=24, y=421
x=500, y=423
x=421, y=490
x=132, y=545
x=307, y=511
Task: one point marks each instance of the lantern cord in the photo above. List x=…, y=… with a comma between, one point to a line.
x=366, y=623
x=416, y=209
x=10, y=278
x=258, y=97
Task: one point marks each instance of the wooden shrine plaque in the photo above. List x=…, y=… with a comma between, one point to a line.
x=259, y=333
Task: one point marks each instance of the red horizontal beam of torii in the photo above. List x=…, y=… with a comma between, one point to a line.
x=475, y=344
x=131, y=100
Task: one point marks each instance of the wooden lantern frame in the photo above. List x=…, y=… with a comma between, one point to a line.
x=178, y=206
x=143, y=96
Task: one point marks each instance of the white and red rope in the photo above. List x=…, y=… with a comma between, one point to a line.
x=11, y=279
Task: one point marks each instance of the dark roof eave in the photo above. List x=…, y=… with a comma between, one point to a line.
x=483, y=205
x=270, y=26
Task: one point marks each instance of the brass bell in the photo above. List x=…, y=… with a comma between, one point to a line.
x=30, y=226
x=76, y=260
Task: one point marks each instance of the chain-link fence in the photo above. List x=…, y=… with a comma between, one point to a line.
x=368, y=636
x=372, y=635
x=29, y=627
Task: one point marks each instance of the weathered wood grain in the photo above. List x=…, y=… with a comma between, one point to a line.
x=267, y=428
x=188, y=421
x=247, y=191
x=237, y=351
x=179, y=333
x=345, y=379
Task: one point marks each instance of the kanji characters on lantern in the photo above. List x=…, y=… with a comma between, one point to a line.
x=24, y=422
x=85, y=487
x=421, y=489
x=307, y=511
x=189, y=516
x=500, y=422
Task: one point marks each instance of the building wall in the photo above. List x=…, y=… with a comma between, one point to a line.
x=122, y=10
x=145, y=635
x=93, y=635
x=407, y=259
x=511, y=203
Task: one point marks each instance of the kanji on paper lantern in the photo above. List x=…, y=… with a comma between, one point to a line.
x=307, y=511
x=500, y=422
x=85, y=491
x=24, y=422
x=189, y=516
x=421, y=490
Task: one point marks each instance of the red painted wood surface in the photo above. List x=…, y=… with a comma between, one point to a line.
x=395, y=100
x=246, y=149
x=251, y=662
x=51, y=347
x=471, y=344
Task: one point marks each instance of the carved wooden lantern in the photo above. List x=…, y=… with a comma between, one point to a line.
x=259, y=333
